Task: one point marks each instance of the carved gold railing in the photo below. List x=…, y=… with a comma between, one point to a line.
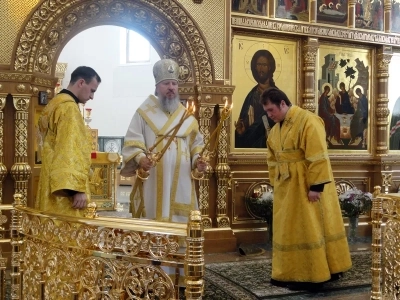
x=385, y=247
x=62, y=257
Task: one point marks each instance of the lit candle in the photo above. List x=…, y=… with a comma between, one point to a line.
x=225, y=113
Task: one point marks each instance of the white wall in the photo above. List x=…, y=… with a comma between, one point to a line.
x=123, y=87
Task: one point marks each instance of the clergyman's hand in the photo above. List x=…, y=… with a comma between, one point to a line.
x=201, y=165
x=145, y=163
x=314, y=196
x=80, y=200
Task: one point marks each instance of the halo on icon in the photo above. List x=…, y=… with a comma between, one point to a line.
x=358, y=87
x=262, y=46
x=324, y=85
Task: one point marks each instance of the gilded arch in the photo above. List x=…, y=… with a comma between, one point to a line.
x=171, y=30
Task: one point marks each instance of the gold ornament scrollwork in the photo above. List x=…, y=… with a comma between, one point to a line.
x=310, y=50
x=383, y=58
x=43, y=37
x=3, y=174
x=21, y=170
x=386, y=181
x=90, y=267
x=205, y=114
x=3, y=168
x=223, y=172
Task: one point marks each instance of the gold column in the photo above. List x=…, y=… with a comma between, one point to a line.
x=222, y=171
x=376, y=246
x=351, y=12
x=16, y=243
x=383, y=58
x=3, y=169
x=310, y=50
x=386, y=174
x=194, y=261
x=3, y=218
x=21, y=170
x=271, y=8
x=206, y=112
x=387, y=10
x=313, y=11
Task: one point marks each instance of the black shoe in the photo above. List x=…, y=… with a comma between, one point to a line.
x=315, y=287
x=305, y=286
x=278, y=283
x=297, y=286
x=336, y=276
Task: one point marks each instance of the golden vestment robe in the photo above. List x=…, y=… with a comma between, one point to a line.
x=309, y=240
x=169, y=193
x=66, y=157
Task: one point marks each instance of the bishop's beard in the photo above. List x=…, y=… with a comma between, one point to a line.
x=169, y=105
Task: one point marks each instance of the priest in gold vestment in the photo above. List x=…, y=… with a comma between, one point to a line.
x=65, y=146
x=309, y=241
x=169, y=192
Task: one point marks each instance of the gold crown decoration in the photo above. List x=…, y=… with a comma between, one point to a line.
x=166, y=69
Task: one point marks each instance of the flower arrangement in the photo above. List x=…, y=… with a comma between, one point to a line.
x=260, y=204
x=354, y=202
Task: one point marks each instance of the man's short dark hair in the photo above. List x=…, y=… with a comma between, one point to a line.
x=268, y=56
x=275, y=96
x=85, y=73
x=358, y=90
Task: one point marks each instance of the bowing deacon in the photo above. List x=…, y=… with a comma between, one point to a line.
x=309, y=241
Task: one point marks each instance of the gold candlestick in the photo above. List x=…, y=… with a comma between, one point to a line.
x=156, y=157
x=205, y=154
x=225, y=113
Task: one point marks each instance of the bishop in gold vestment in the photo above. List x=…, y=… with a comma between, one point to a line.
x=65, y=144
x=169, y=193
x=309, y=240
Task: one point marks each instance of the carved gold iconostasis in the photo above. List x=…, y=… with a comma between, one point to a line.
x=217, y=62
x=204, y=39
x=394, y=104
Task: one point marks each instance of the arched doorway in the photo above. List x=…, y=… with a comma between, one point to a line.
x=166, y=24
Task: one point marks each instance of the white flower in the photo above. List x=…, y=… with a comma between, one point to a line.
x=267, y=196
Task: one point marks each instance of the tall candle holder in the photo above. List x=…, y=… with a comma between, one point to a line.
x=206, y=154
x=156, y=157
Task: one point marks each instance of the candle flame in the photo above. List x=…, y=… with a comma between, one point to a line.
x=226, y=103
